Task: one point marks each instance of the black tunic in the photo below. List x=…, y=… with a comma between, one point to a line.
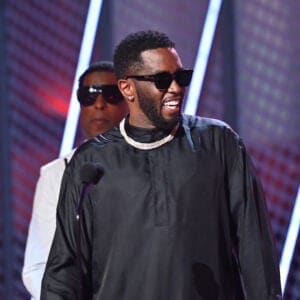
x=185, y=221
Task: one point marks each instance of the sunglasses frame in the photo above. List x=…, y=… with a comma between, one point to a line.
x=87, y=95
x=155, y=78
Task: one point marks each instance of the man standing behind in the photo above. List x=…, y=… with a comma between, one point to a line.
x=102, y=107
x=178, y=213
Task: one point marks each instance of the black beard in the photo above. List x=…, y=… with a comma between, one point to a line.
x=149, y=109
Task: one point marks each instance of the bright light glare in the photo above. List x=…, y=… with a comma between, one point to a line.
x=204, y=49
x=290, y=242
x=85, y=53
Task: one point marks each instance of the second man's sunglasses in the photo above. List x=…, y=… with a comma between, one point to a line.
x=87, y=95
x=163, y=80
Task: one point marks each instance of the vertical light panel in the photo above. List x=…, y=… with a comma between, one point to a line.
x=85, y=53
x=290, y=242
x=204, y=49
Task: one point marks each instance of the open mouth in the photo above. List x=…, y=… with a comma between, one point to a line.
x=173, y=104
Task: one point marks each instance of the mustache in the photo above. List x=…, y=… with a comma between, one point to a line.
x=174, y=96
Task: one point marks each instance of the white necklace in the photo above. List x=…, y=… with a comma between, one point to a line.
x=147, y=146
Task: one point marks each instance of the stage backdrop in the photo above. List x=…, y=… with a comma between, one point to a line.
x=252, y=82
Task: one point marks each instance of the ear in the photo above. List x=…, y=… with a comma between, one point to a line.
x=127, y=89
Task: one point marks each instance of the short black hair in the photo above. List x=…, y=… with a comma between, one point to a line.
x=99, y=66
x=127, y=55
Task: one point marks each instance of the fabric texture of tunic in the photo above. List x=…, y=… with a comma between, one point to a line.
x=185, y=221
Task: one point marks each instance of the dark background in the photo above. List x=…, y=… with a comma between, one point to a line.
x=252, y=82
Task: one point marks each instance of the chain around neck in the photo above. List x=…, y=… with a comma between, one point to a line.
x=147, y=146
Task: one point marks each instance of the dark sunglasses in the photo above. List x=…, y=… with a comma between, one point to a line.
x=87, y=95
x=163, y=80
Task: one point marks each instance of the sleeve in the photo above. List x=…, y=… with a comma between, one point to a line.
x=255, y=248
x=63, y=278
x=41, y=228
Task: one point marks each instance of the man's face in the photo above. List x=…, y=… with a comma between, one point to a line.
x=101, y=116
x=154, y=107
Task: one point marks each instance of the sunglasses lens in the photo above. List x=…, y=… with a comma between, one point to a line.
x=87, y=95
x=162, y=81
x=183, y=77
x=112, y=94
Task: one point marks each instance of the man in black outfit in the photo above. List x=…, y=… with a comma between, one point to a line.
x=179, y=213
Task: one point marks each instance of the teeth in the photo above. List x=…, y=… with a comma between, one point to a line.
x=171, y=103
